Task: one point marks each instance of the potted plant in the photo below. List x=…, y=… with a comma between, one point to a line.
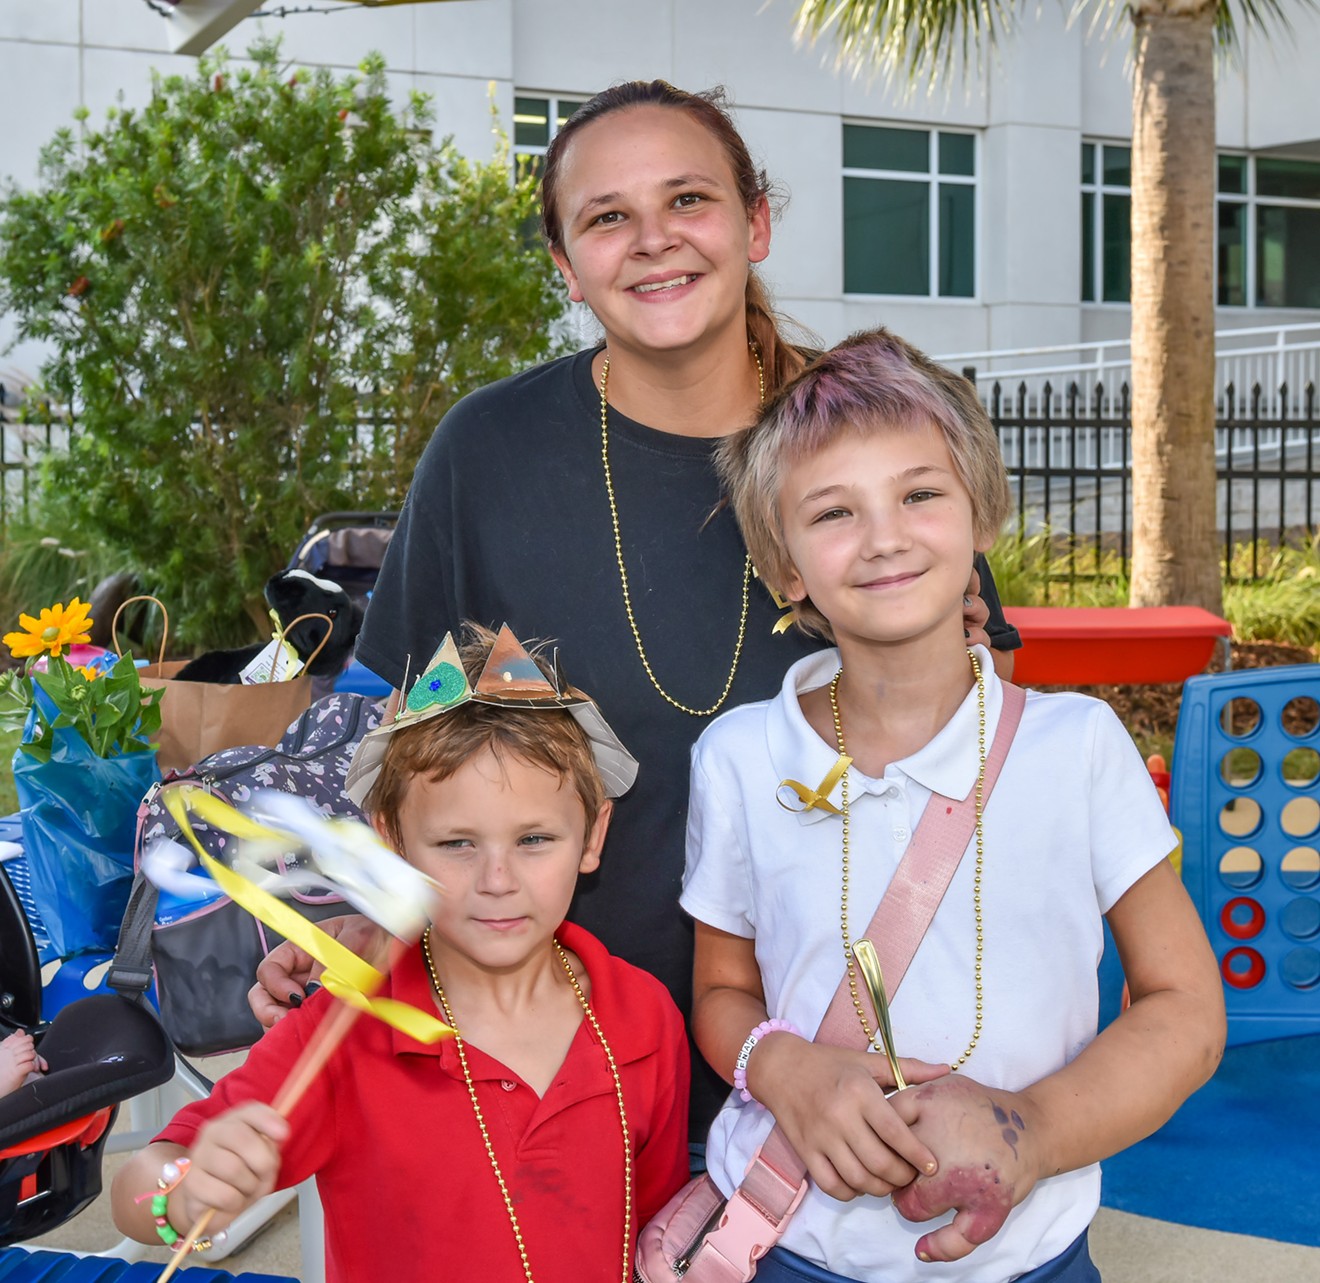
x=83, y=766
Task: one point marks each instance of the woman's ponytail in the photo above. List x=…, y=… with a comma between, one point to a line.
x=781, y=361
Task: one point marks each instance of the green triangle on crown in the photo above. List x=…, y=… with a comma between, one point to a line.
x=443, y=684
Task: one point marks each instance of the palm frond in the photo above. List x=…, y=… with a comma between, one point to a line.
x=910, y=39
x=1263, y=15
x=907, y=39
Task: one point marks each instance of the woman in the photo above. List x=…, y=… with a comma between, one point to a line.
x=578, y=501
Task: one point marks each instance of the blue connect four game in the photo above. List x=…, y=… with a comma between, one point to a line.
x=1246, y=796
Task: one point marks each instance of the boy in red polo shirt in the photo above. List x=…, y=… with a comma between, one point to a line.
x=537, y=1140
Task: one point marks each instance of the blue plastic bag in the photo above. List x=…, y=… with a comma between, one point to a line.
x=79, y=818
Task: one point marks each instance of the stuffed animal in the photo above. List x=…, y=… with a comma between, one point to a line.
x=289, y=594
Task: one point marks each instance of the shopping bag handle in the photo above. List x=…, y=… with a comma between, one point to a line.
x=164, y=632
x=284, y=632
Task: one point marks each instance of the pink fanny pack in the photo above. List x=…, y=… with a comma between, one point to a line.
x=703, y=1237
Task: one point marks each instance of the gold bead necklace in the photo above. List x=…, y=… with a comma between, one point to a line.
x=626, y=1276
x=872, y=1036
x=623, y=571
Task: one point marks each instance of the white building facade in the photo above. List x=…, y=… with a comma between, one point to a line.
x=989, y=216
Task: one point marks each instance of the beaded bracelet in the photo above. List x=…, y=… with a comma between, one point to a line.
x=170, y=1178
x=740, y=1066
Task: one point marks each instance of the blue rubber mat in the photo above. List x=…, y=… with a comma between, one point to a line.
x=1240, y=1155
x=18, y=1266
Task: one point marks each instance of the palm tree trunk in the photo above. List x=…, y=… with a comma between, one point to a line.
x=1175, y=551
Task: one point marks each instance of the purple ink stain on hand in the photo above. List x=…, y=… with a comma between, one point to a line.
x=978, y=1192
x=1017, y=1121
x=1001, y=1117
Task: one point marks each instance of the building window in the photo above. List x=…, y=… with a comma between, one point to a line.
x=1232, y=232
x=535, y=122
x=1106, y=223
x=909, y=212
x=1267, y=221
x=1287, y=208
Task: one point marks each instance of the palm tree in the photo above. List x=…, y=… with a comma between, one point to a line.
x=1174, y=546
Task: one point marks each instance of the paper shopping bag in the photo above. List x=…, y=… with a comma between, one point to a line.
x=201, y=718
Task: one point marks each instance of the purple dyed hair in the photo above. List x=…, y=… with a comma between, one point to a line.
x=872, y=379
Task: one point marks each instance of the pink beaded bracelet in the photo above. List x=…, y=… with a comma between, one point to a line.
x=740, y=1066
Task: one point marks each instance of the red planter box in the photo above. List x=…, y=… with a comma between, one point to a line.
x=1087, y=645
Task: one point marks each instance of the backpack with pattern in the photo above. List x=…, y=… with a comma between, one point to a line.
x=204, y=953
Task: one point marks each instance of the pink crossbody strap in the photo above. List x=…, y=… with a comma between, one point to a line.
x=776, y=1179
x=920, y=881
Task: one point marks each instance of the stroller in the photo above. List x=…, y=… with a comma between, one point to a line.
x=101, y=1050
x=348, y=548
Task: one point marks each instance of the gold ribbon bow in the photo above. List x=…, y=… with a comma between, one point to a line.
x=817, y=797
x=785, y=621
x=346, y=976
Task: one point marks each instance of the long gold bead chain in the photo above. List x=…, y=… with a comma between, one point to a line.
x=872, y=1036
x=623, y=571
x=626, y=1275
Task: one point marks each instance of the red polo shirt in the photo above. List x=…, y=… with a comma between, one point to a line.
x=389, y=1133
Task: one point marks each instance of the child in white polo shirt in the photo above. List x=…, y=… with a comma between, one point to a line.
x=863, y=494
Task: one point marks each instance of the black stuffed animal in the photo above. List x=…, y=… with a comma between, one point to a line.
x=291, y=593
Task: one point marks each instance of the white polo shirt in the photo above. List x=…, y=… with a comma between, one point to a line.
x=1073, y=822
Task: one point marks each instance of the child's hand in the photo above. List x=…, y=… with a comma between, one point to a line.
x=285, y=972
x=235, y=1161
x=976, y=614
x=19, y=1062
x=831, y=1104
x=987, y=1142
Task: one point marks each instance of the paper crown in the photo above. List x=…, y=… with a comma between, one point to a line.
x=511, y=678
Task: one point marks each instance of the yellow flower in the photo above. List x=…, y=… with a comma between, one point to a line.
x=87, y=671
x=52, y=632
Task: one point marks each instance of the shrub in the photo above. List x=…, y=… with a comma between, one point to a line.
x=233, y=281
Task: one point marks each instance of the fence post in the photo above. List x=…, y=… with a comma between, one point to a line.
x=1230, y=397
x=1309, y=408
x=1255, y=480
x=1283, y=461
x=1125, y=474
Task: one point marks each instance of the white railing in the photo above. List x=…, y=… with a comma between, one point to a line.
x=1273, y=357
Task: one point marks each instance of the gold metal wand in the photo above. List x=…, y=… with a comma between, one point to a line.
x=863, y=952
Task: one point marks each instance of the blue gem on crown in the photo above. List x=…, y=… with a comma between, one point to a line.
x=439, y=687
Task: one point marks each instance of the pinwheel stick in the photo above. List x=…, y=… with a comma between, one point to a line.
x=320, y=1047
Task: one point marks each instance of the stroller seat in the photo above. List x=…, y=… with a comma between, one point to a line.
x=101, y=1050
x=348, y=548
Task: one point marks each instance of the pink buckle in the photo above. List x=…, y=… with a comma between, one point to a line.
x=744, y=1233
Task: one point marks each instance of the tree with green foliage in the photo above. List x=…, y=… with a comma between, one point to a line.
x=261, y=292
x=1175, y=556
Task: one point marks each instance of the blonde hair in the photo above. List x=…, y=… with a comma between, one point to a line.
x=872, y=379
x=436, y=748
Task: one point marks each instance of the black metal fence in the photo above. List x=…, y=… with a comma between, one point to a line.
x=28, y=430
x=1069, y=461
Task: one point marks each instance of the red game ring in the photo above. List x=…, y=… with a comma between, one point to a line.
x=1248, y=979
x=1242, y=930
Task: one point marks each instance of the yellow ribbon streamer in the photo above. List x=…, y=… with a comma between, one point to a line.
x=817, y=797
x=346, y=976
